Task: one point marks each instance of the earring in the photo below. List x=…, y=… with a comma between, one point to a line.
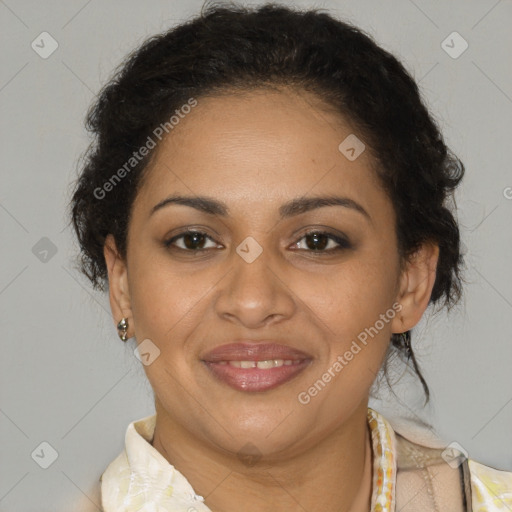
x=122, y=328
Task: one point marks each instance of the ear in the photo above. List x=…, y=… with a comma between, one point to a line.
x=416, y=283
x=119, y=293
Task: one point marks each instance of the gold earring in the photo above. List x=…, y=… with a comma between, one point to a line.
x=122, y=328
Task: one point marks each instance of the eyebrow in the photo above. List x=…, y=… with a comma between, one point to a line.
x=294, y=207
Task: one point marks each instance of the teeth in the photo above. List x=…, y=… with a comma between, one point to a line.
x=262, y=365
x=271, y=363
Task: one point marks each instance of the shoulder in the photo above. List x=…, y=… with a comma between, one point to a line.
x=491, y=488
x=435, y=475
x=117, y=471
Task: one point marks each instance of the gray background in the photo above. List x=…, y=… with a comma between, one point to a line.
x=67, y=379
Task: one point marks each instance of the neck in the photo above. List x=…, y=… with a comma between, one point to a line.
x=334, y=475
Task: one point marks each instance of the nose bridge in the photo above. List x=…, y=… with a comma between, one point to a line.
x=253, y=292
x=251, y=263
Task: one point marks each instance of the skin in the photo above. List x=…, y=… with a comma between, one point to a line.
x=255, y=152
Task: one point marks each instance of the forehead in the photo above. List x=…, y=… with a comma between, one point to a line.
x=262, y=147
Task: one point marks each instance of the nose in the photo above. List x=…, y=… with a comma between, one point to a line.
x=255, y=294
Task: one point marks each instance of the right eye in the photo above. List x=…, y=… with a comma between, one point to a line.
x=191, y=241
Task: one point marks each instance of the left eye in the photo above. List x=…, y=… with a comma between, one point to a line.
x=322, y=242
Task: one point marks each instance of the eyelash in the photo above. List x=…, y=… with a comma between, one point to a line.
x=343, y=243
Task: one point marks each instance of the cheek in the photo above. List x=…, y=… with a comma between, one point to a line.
x=163, y=297
x=351, y=296
x=354, y=305
x=355, y=308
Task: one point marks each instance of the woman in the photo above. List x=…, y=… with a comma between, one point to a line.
x=267, y=200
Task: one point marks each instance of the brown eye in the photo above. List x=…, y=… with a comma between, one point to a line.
x=194, y=240
x=318, y=241
x=190, y=241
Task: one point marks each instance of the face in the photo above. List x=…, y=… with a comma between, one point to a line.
x=260, y=271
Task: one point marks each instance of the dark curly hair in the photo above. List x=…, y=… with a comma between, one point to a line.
x=234, y=48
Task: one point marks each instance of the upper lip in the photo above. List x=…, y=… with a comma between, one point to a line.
x=249, y=351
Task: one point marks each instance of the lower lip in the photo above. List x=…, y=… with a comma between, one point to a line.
x=255, y=379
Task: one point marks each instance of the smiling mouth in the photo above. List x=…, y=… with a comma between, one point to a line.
x=255, y=366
